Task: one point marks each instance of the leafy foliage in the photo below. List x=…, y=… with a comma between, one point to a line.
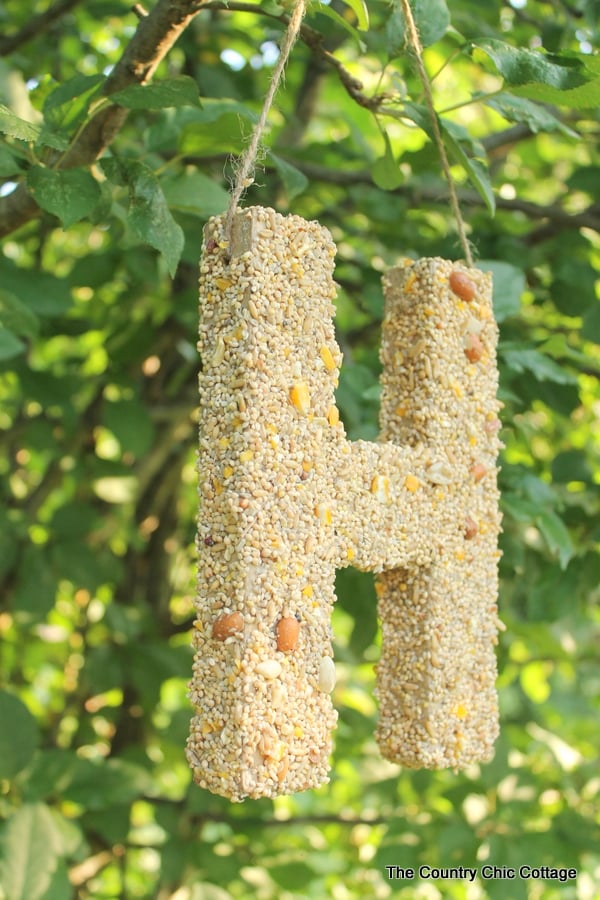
x=107, y=183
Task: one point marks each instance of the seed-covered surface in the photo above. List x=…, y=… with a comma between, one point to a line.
x=436, y=675
x=285, y=499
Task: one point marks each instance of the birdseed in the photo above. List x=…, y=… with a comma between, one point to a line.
x=286, y=499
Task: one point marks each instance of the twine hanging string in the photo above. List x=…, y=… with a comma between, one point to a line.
x=245, y=172
x=415, y=42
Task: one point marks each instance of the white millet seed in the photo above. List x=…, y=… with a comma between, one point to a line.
x=326, y=675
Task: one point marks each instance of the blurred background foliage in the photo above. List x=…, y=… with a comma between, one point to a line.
x=105, y=188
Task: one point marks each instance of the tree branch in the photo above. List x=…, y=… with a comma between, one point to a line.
x=314, y=40
x=35, y=25
x=155, y=35
x=588, y=218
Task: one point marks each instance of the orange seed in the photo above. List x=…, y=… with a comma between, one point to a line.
x=227, y=625
x=461, y=285
x=288, y=629
x=474, y=349
x=470, y=528
x=478, y=471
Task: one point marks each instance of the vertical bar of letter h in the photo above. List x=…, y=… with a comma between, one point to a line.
x=286, y=499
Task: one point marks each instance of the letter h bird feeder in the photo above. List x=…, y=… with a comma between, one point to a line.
x=286, y=499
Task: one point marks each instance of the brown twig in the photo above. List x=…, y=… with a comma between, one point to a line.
x=35, y=25
x=155, y=35
x=314, y=41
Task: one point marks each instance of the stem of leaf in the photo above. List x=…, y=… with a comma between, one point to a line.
x=479, y=99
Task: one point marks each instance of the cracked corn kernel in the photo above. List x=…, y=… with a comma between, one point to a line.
x=327, y=357
x=300, y=396
x=411, y=483
x=323, y=513
x=333, y=415
x=380, y=486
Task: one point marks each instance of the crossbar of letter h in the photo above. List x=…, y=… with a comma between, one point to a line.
x=286, y=499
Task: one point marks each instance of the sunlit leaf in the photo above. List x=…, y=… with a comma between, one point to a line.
x=340, y=20
x=359, y=8
x=537, y=117
x=29, y=853
x=548, y=79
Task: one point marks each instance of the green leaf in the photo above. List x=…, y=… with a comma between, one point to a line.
x=340, y=20
x=557, y=537
x=10, y=345
x=520, y=109
x=29, y=853
x=148, y=216
x=573, y=289
x=509, y=284
x=43, y=293
x=130, y=423
x=10, y=164
x=359, y=8
x=385, y=171
x=520, y=67
x=571, y=465
x=69, y=194
x=196, y=194
x=18, y=735
x=36, y=585
x=60, y=886
x=67, y=105
x=476, y=171
x=591, y=324
x=17, y=317
x=522, y=358
x=293, y=876
x=31, y=133
x=455, y=138
x=585, y=97
x=294, y=181
x=564, y=80
x=16, y=127
x=101, y=785
x=432, y=19
x=179, y=91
